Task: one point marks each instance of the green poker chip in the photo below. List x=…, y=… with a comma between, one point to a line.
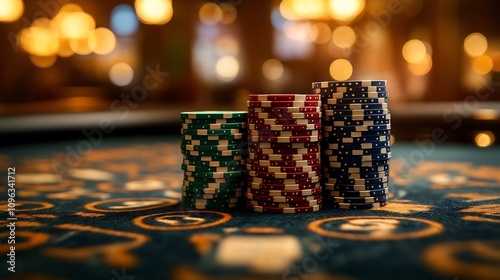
x=214, y=142
x=208, y=132
x=214, y=125
x=194, y=195
x=199, y=180
x=215, y=159
x=214, y=121
x=204, y=115
x=227, y=153
x=216, y=175
x=213, y=187
x=229, y=163
x=193, y=168
x=235, y=136
x=208, y=148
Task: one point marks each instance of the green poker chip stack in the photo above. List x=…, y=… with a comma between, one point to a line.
x=214, y=148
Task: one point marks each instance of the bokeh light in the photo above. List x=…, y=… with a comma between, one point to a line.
x=344, y=37
x=482, y=65
x=102, y=41
x=210, y=13
x=121, y=74
x=11, y=10
x=64, y=49
x=43, y=61
x=414, y=51
x=341, y=69
x=227, y=68
x=80, y=46
x=40, y=38
x=77, y=25
x=421, y=68
x=303, y=9
x=298, y=31
x=124, y=21
x=229, y=13
x=484, y=139
x=346, y=10
x=320, y=33
x=272, y=69
x=475, y=44
x=154, y=11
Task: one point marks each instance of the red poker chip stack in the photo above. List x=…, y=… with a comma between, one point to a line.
x=284, y=162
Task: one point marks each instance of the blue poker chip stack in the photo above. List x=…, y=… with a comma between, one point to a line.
x=356, y=143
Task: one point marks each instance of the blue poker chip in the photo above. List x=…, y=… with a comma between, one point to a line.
x=368, y=199
x=354, y=112
x=352, y=152
x=368, y=181
x=356, y=205
x=354, y=140
x=356, y=134
x=353, y=128
x=356, y=118
x=331, y=93
x=349, y=83
x=348, y=101
x=357, y=146
x=366, y=193
x=342, y=176
x=342, y=123
x=339, y=164
x=348, y=158
x=355, y=106
x=353, y=187
x=358, y=170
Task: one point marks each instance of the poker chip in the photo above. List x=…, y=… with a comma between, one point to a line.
x=356, y=125
x=301, y=192
x=283, y=110
x=214, y=148
x=287, y=186
x=285, y=204
x=285, y=157
x=285, y=139
x=284, y=151
x=300, y=181
x=315, y=103
x=278, y=121
x=306, y=168
x=310, y=115
x=282, y=199
x=268, y=145
x=284, y=127
x=282, y=97
x=284, y=163
x=289, y=133
x=284, y=210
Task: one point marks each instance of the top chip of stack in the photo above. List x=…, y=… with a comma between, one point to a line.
x=214, y=149
x=356, y=143
x=284, y=166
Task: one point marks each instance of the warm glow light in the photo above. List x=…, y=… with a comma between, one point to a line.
x=227, y=68
x=39, y=39
x=154, y=11
x=344, y=37
x=486, y=114
x=80, y=46
x=210, y=13
x=475, y=45
x=43, y=61
x=414, y=51
x=227, y=45
x=341, y=69
x=77, y=25
x=482, y=65
x=11, y=10
x=421, y=68
x=121, y=74
x=102, y=41
x=124, y=20
x=496, y=61
x=272, y=69
x=320, y=33
x=484, y=139
x=303, y=9
x=229, y=12
x=346, y=10
x=298, y=31
x=64, y=48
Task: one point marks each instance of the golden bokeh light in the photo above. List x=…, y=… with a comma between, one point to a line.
x=298, y=31
x=421, y=68
x=272, y=69
x=64, y=48
x=414, y=51
x=344, y=37
x=76, y=25
x=320, y=33
x=229, y=13
x=121, y=74
x=303, y=9
x=11, y=10
x=346, y=10
x=482, y=65
x=227, y=68
x=227, y=45
x=341, y=69
x=39, y=39
x=484, y=139
x=496, y=61
x=80, y=46
x=102, y=41
x=154, y=11
x=210, y=13
x=43, y=61
x=475, y=44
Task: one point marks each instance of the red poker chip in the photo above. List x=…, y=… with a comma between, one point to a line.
x=289, y=133
x=281, y=110
x=268, y=198
x=315, y=103
x=284, y=151
x=271, y=181
x=305, y=192
x=279, y=115
x=260, y=168
x=284, y=163
x=285, y=204
x=260, y=145
x=285, y=127
x=283, y=121
x=285, y=157
x=284, y=187
x=285, y=210
x=284, y=175
x=283, y=97
x=285, y=139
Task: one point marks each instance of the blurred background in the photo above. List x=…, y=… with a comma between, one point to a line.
x=67, y=65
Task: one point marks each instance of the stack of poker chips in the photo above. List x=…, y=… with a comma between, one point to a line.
x=214, y=149
x=356, y=143
x=284, y=162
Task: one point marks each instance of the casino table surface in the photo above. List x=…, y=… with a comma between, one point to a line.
x=115, y=213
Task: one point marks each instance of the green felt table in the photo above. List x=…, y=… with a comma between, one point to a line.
x=112, y=210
